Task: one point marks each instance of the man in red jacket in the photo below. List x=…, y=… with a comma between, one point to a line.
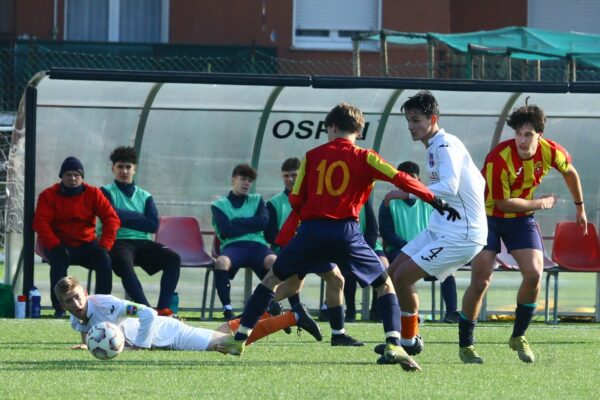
x=65, y=221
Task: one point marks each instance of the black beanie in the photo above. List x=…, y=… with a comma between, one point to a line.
x=71, y=164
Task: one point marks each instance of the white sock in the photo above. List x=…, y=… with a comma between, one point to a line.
x=338, y=331
x=408, y=342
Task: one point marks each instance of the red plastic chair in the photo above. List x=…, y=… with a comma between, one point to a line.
x=575, y=252
x=183, y=236
x=572, y=251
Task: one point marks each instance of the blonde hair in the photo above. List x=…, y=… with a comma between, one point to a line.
x=65, y=286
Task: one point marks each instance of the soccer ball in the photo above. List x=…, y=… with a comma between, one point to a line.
x=105, y=341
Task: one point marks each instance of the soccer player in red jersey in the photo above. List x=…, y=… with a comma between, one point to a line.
x=334, y=182
x=513, y=170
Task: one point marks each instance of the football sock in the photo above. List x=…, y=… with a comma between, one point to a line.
x=294, y=299
x=449, y=293
x=266, y=326
x=389, y=311
x=466, y=327
x=234, y=324
x=223, y=286
x=255, y=307
x=336, y=317
x=410, y=327
x=523, y=315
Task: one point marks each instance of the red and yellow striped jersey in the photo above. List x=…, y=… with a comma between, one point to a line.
x=336, y=179
x=508, y=176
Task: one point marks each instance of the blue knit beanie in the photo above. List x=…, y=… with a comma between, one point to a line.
x=71, y=164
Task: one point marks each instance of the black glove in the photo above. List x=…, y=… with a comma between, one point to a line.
x=441, y=206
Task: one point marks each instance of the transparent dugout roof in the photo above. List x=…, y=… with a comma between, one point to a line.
x=191, y=135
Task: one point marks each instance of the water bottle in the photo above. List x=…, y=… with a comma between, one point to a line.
x=35, y=303
x=21, y=306
x=174, y=306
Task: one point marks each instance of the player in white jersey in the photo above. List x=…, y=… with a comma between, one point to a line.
x=149, y=330
x=446, y=244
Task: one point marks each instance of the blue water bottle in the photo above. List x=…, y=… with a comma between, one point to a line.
x=35, y=303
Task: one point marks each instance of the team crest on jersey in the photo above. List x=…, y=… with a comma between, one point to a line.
x=433, y=176
x=431, y=161
x=538, y=168
x=131, y=310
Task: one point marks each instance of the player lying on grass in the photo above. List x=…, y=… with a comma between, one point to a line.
x=151, y=331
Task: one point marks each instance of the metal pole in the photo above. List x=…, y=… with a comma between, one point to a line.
x=29, y=187
x=509, y=64
x=538, y=70
x=383, y=53
x=573, y=69
x=355, y=57
x=469, y=65
x=431, y=57
x=482, y=67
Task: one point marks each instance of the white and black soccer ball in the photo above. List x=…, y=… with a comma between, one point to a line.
x=105, y=341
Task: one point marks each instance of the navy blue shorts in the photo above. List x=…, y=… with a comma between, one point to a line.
x=516, y=233
x=247, y=254
x=329, y=241
x=321, y=267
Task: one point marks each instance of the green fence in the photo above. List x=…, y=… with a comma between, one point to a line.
x=20, y=61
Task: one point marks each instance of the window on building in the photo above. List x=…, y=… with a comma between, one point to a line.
x=330, y=25
x=143, y=21
x=564, y=16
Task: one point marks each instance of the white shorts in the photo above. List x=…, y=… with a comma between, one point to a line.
x=191, y=338
x=438, y=255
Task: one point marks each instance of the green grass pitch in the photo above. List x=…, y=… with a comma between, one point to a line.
x=36, y=363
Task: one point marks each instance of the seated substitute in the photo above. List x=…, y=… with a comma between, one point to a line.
x=65, y=221
x=134, y=246
x=149, y=330
x=239, y=220
x=279, y=209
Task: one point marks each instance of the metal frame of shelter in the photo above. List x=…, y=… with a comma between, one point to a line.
x=278, y=83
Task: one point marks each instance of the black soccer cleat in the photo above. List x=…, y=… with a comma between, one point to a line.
x=305, y=322
x=345, y=340
x=228, y=314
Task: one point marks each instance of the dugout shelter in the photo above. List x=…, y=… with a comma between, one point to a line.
x=191, y=129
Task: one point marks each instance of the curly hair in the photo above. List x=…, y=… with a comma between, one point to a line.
x=527, y=114
x=126, y=154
